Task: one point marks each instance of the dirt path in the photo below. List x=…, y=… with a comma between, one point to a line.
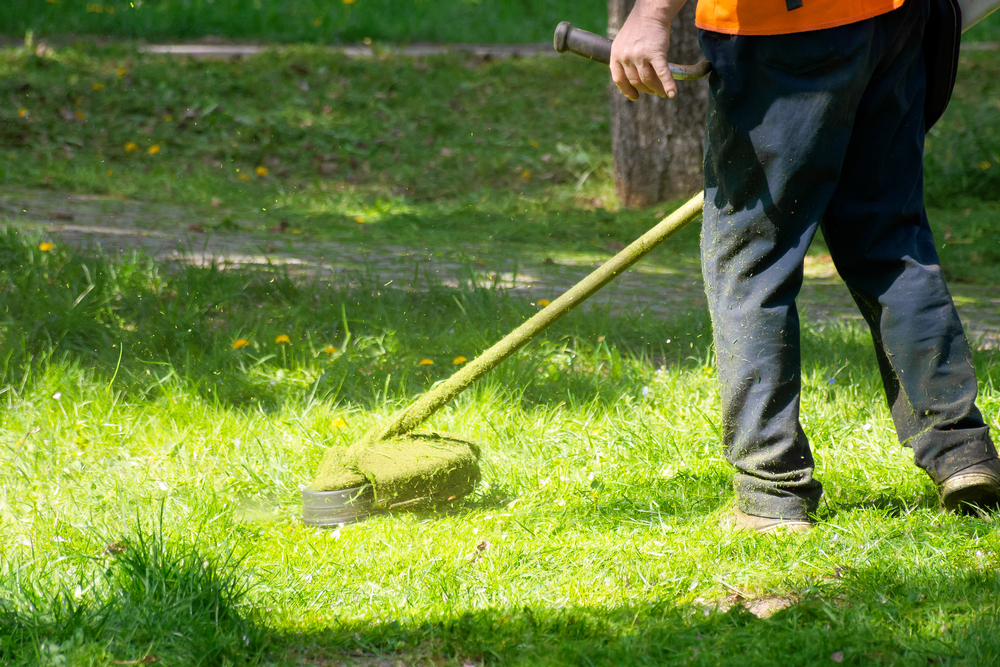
x=165, y=231
x=222, y=49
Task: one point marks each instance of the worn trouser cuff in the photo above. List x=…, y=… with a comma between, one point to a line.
x=961, y=454
x=758, y=499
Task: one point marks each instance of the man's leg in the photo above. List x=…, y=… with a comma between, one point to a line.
x=781, y=112
x=878, y=235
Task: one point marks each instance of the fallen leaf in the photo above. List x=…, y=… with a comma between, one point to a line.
x=767, y=606
x=146, y=660
x=837, y=656
x=481, y=548
x=115, y=548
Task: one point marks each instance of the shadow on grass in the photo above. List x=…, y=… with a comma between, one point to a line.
x=682, y=496
x=891, y=506
x=156, y=600
x=255, y=340
x=145, y=599
x=871, y=617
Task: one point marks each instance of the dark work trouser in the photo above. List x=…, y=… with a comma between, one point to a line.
x=827, y=128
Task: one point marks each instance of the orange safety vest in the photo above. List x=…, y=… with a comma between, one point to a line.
x=779, y=17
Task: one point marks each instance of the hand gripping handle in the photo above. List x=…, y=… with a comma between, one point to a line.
x=595, y=47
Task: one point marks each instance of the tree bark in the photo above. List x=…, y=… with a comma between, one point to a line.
x=657, y=143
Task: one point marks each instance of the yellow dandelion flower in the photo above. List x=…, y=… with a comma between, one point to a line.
x=244, y=177
x=339, y=422
x=262, y=171
x=79, y=114
x=330, y=349
x=22, y=112
x=534, y=144
x=525, y=174
x=154, y=149
x=240, y=343
x=426, y=362
x=984, y=165
x=122, y=72
x=543, y=302
x=111, y=172
x=359, y=219
x=459, y=360
x=98, y=86
x=45, y=247
x=168, y=119
x=131, y=147
x=282, y=338
x=318, y=21
x=348, y=2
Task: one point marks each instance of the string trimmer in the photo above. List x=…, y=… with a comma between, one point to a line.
x=392, y=467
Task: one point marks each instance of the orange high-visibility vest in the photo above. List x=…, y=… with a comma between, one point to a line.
x=778, y=17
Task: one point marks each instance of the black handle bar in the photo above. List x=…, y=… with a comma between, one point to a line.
x=595, y=47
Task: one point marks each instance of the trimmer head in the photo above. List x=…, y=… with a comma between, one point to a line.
x=334, y=508
x=414, y=471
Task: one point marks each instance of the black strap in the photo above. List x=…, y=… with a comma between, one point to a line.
x=792, y=4
x=942, y=40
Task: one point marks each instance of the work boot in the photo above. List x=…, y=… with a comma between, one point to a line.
x=762, y=524
x=972, y=489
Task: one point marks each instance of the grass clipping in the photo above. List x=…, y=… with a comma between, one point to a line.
x=412, y=470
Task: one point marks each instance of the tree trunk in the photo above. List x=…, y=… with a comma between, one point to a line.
x=657, y=143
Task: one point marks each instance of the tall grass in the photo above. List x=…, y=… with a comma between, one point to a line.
x=139, y=596
x=131, y=322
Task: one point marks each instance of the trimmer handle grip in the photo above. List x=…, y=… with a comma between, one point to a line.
x=596, y=47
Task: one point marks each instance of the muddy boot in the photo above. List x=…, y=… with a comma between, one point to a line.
x=973, y=489
x=740, y=520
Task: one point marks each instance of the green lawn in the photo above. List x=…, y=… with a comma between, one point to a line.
x=440, y=152
x=317, y=21
x=150, y=472
x=322, y=21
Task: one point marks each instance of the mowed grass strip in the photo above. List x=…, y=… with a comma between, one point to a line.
x=130, y=422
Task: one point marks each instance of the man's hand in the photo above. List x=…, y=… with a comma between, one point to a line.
x=639, y=53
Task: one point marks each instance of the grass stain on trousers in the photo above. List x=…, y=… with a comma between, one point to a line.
x=825, y=129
